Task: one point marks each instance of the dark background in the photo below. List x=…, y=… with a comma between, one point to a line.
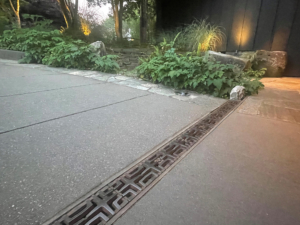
x=249, y=24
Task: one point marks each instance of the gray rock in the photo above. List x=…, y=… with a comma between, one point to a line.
x=249, y=55
x=274, y=61
x=237, y=93
x=99, y=48
x=244, y=64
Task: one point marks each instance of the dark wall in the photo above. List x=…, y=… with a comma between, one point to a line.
x=249, y=24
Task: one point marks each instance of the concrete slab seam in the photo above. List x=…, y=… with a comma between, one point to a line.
x=72, y=114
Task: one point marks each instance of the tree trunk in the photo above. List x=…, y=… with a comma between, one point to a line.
x=143, y=21
x=17, y=12
x=121, y=18
x=65, y=12
x=18, y=20
x=75, y=24
x=114, y=4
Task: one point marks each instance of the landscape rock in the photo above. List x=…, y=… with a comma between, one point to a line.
x=237, y=93
x=99, y=48
x=244, y=64
x=274, y=61
x=249, y=55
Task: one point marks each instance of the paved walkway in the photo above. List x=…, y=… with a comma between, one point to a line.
x=63, y=132
x=247, y=171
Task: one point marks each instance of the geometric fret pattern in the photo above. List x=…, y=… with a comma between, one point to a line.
x=104, y=204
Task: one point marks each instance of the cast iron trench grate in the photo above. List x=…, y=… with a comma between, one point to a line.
x=110, y=202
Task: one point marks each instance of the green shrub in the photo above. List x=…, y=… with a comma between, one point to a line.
x=39, y=22
x=77, y=54
x=54, y=49
x=71, y=54
x=6, y=15
x=34, y=43
x=203, y=36
x=169, y=35
x=3, y=23
x=256, y=73
x=200, y=73
x=198, y=36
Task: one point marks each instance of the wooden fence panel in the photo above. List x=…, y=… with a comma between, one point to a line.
x=293, y=47
x=250, y=24
x=237, y=25
x=264, y=31
x=226, y=21
x=283, y=24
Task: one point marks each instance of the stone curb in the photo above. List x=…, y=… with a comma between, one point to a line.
x=11, y=55
x=192, y=97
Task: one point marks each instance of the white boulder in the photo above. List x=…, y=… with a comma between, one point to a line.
x=237, y=93
x=99, y=48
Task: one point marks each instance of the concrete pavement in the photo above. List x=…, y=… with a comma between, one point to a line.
x=245, y=172
x=62, y=134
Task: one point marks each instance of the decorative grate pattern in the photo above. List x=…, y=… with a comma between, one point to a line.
x=107, y=202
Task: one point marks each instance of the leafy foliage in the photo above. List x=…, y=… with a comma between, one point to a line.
x=129, y=21
x=200, y=73
x=54, y=49
x=256, y=73
x=203, y=36
x=6, y=14
x=169, y=35
x=198, y=36
x=34, y=43
x=77, y=54
x=39, y=22
x=132, y=6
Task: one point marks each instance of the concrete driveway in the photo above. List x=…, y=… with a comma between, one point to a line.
x=246, y=172
x=61, y=135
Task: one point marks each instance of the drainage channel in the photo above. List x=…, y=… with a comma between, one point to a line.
x=113, y=199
